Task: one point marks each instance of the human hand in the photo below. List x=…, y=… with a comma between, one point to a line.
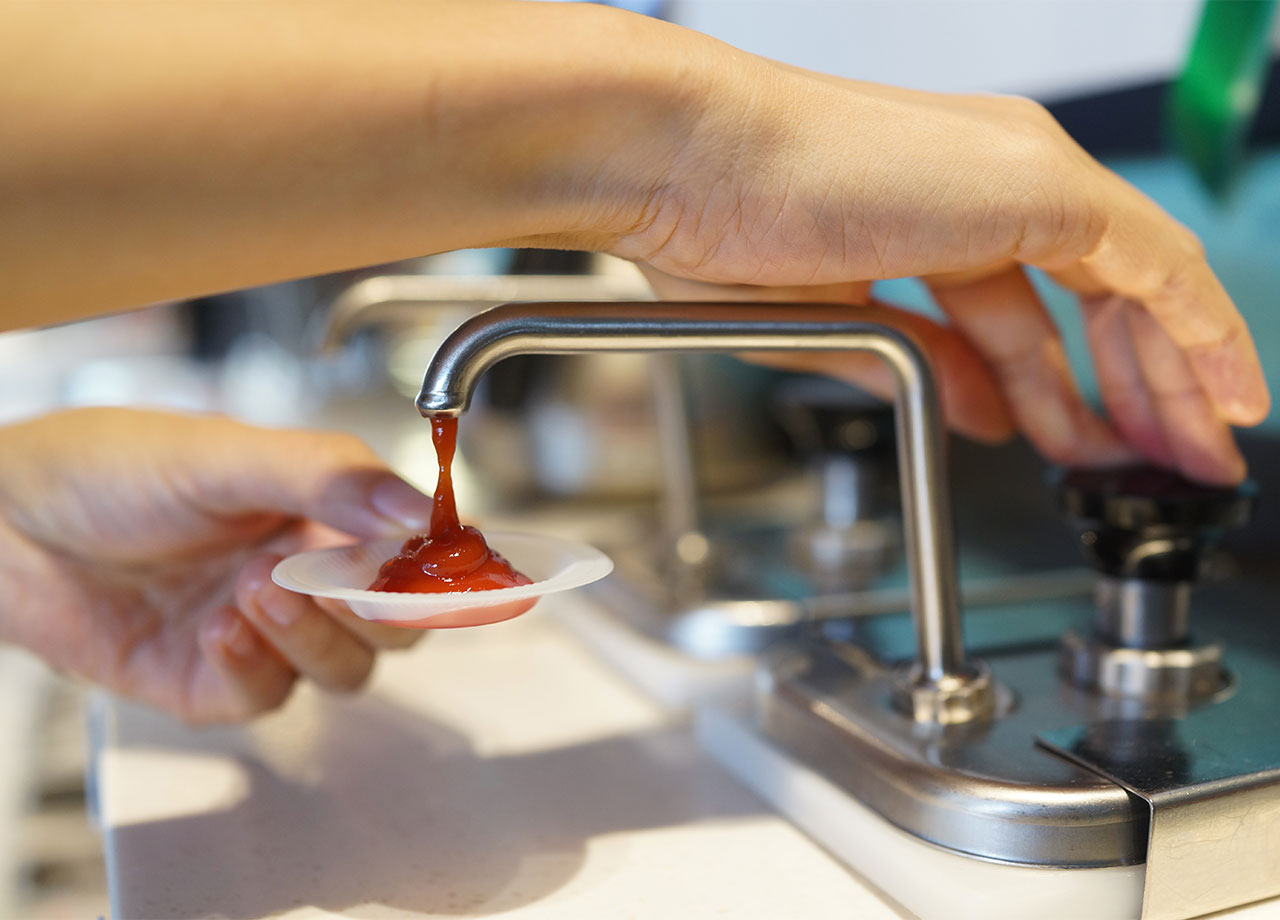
x=579, y=126
x=136, y=550
x=798, y=186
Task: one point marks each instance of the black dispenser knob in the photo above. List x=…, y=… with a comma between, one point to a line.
x=1149, y=523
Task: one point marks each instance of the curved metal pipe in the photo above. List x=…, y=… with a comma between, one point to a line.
x=569, y=328
x=395, y=300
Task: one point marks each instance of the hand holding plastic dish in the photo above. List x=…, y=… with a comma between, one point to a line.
x=344, y=573
x=449, y=576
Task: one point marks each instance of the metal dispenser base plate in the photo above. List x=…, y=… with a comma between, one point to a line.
x=1065, y=778
x=924, y=880
x=985, y=790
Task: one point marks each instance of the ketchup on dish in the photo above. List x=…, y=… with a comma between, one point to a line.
x=450, y=557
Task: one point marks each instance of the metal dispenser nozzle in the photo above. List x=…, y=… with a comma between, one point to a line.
x=1146, y=531
x=942, y=686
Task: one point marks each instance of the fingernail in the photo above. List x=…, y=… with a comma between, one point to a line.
x=1247, y=410
x=1234, y=382
x=235, y=637
x=253, y=584
x=400, y=502
x=281, y=610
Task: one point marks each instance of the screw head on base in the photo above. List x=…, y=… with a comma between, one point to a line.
x=955, y=699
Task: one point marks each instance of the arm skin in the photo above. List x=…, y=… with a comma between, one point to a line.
x=156, y=150
x=159, y=150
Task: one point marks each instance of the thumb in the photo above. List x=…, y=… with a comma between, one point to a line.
x=328, y=477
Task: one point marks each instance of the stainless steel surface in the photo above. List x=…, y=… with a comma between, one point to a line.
x=1048, y=781
x=1192, y=748
x=392, y=300
x=1047, y=586
x=1140, y=647
x=845, y=557
x=978, y=697
x=847, y=486
x=983, y=788
x=1210, y=779
x=1140, y=613
x=742, y=616
x=1149, y=752
x=853, y=542
x=1172, y=676
x=853, y=537
x=687, y=546
x=571, y=328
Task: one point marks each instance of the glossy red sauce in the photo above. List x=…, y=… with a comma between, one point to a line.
x=450, y=557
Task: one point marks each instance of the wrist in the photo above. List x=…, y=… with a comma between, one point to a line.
x=608, y=109
x=728, y=118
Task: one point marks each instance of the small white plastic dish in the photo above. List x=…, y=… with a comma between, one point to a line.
x=345, y=572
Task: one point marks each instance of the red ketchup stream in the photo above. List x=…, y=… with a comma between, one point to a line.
x=450, y=557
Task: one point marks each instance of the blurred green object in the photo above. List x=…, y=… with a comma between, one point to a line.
x=1216, y=97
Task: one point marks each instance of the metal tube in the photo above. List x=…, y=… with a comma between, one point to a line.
x=413, y=300
x=569, y=328
x=679, y=507
x=1143, y=613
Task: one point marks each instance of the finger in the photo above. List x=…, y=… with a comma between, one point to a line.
x=1202, y=444
x=236, y=676
x=671, y=287
x=328, y=477
x=307, y=535
x=303, y=633
x=1124, y=390
x=971, y=399
x=1002, y=316
x=374, y=635
x=1147, y=256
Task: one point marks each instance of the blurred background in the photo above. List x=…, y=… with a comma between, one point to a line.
x=1180, y=98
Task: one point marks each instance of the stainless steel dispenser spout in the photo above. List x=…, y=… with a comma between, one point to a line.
x=408, y=300
x=942, y=687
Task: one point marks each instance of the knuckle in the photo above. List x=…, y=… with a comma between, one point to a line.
x=353, y=677
x=1172, y=274
x=1038, y=138
x=1172, y=284
x=1190, y=246
x=1039, y=152
x=268, y=699
x=395, y=638
x=1028, y=109
x=342, y=663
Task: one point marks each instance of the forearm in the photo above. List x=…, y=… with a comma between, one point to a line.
x=156, y=150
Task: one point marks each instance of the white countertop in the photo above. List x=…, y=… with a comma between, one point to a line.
x=494, y=771
x=499, y=771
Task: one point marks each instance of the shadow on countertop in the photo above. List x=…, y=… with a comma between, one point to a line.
x=397, y=814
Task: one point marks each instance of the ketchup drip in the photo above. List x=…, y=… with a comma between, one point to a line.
x=451, y=557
